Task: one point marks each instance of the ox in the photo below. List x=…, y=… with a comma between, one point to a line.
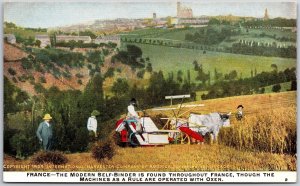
x=209, y=123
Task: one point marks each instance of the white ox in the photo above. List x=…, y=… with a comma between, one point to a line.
x=209, y=123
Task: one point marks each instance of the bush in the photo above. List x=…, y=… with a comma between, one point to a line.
x=140, y=74
x=104, y=150
x=56, y=157
x=109, y=72
x=276, y=88
x=22, y=78
x=15, y=80
x=78, y=75
x=43, y=79
x=39, y=88
x=12, y=71
x=22, y=145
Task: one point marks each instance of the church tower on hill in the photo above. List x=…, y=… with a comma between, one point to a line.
x=266, y=17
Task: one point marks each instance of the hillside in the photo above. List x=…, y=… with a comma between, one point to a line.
x=26, y=79
x=191, y=157
x=182, y=59
x=12, y=53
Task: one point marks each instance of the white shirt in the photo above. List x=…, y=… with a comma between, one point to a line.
x=132, y=112
x=48, y=124
x=92, y=124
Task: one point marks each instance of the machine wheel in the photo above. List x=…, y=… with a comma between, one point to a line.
x=182, y=138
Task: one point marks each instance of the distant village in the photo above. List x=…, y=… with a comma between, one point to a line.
x=183, y=19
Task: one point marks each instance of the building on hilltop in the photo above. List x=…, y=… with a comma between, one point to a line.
x=107, y=39
x=45, y=39
x=84, y=39
x=266, y=16
x=184, y=12
x=154, y=16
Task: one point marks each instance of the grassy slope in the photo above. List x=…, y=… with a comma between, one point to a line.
x=173, y=59
x=23, y=32
x=252, y=34
x=284, y=87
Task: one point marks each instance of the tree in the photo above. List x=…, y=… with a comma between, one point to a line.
x=53, y=40
x=149, y=67
x=232, y=75
x=276, y=88
x=202, y=76
x=218, y=75
x=156, y=88
x=179, y=76
x=109, y=72
x=196, y=65
x=95, y=57
x=214, y=21
x=92, y=98
x=38, y=43
x=134, y=52
x=11, y=71
x=120, y=87
x=274, y=67
x=294, y=85
x=140, y=74
x=9, y=102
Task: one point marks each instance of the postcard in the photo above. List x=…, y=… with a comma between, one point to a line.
x=160, y=91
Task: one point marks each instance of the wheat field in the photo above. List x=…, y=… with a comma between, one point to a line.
x=264, y=141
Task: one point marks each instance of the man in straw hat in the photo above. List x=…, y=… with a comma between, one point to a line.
x=45, y=132
x=92, y=122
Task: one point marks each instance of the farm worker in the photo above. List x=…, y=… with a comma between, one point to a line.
x=239, y=115
x=45, y=132
x=92, y=122
x=132, y=114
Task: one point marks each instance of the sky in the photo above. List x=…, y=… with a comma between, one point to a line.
x=52, y=14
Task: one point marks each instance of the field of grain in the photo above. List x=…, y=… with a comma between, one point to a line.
x=264, y=141
x=168, y=158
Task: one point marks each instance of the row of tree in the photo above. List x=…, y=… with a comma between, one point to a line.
x=80, y=44
x=211, y=35
x=276, y=22
x=263, y=50
x=254, y=84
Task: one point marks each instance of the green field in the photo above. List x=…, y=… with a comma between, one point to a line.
x=251, y=35
x=170, y=59
x=174, y=34
x=23, y=32
x=284, y=87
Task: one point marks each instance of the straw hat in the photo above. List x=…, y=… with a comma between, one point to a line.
x=47, y=117
x=95, y=113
